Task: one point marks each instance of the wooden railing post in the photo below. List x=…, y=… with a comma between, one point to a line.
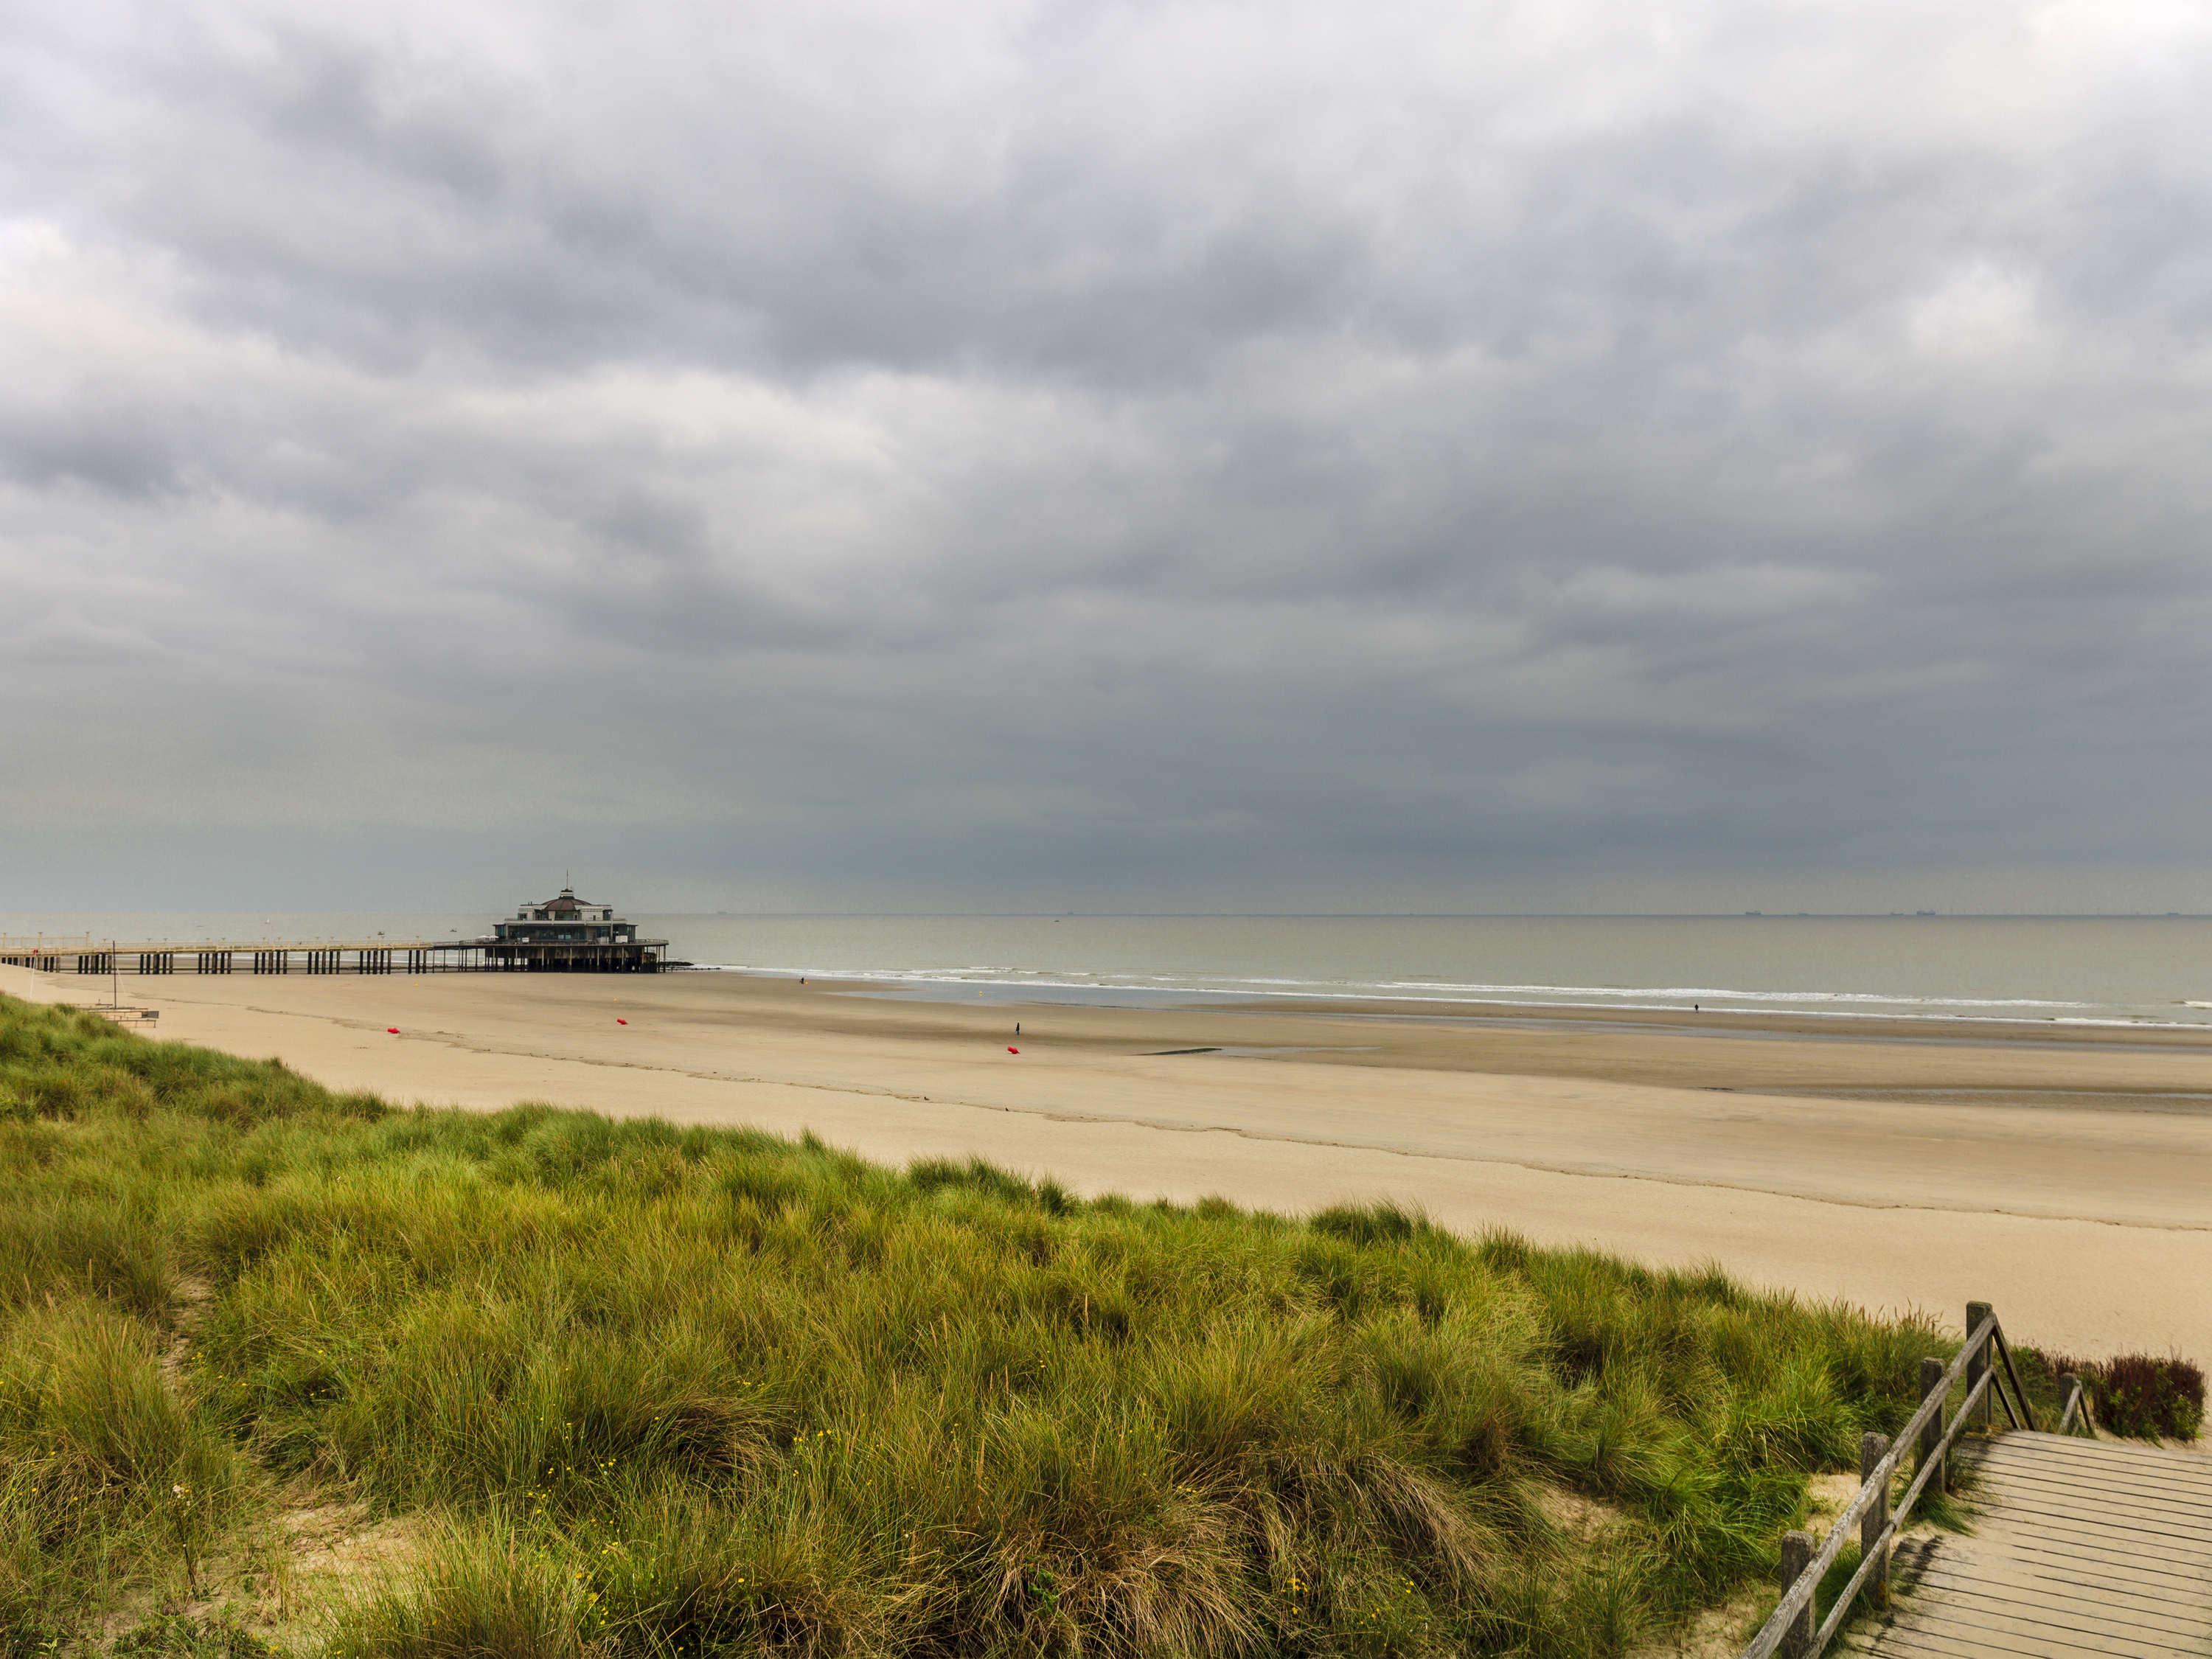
x=1872, y=1448
x=1931, y=1436
x=1796, y=1556
x=1979, y=1364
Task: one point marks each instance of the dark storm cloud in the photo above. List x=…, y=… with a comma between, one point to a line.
x=1042, y=452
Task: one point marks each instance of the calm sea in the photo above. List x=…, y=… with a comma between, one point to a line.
x=2087, y=969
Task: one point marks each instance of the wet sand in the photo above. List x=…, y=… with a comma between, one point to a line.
x=2063, y=1173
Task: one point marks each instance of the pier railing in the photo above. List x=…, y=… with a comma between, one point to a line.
x=1985, y=1366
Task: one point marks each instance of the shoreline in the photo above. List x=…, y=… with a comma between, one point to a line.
x=1012, y=992
x=2061, y=1179
x=1710, y=1022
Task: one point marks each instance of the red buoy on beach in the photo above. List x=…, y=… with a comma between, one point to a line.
x=619, y=1020
x=1013, y=1051
x=394, y=1029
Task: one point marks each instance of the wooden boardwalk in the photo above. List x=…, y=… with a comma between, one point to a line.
x=2079, y=1548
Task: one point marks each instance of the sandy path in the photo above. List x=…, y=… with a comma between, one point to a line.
x=2065, y=1179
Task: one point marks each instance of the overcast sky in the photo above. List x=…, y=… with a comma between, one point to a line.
x=1106, y=456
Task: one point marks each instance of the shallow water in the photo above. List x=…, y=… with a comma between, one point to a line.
x=2071, y=969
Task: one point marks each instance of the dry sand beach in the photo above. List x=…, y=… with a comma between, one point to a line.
x=2064, y=1174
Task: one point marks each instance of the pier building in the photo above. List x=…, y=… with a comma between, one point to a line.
x=566, y=934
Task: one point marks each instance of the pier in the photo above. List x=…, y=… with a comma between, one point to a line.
x=463, y=956
x=563, y=934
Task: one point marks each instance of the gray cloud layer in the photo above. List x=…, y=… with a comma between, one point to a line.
x=1048, y=453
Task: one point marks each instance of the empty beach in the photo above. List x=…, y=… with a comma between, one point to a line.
x=2059, y=1172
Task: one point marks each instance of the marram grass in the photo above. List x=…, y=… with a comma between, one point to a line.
x=624, y=1389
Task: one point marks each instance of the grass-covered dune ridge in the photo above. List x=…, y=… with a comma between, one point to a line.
x=636, y=1391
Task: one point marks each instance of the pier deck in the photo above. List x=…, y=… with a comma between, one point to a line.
x=478, y=956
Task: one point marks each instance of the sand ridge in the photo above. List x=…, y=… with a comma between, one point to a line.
x=2062, y=1175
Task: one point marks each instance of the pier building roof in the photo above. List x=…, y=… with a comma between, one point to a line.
x=564, y=918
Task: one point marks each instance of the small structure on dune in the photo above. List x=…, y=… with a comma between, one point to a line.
x=565, y=934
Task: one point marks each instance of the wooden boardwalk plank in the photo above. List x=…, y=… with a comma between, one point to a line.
x=1978, y=1598
x=2043, y=1575
x=2163, y=1461
x=2118, y=1532
x=2193, y=1513
x=2115, y=1506
x=2196, y=1511
x=2182, y=1519
x=2084, y=1557
x=2044, y=1471
x=2121, y=1540
x=2158, y=1463
x=1920, y=1645
x=2064, y=1557
x=1955, y=1627
x=2080, y=1548
x=2161, y=1465
x=1977, y=1608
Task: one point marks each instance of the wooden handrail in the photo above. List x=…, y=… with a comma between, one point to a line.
x=1789, y=1633
x=2004, y=1353
x=2078, y=1404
